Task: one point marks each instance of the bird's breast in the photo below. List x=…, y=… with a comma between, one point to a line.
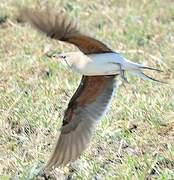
x=97, y=64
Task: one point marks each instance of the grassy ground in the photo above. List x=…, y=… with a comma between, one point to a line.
x=136, y=138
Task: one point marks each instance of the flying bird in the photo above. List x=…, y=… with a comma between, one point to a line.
x=98, y=64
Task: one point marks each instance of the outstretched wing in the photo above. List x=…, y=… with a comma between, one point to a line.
x=85, y=108
x=58, y=26
x=93, y=95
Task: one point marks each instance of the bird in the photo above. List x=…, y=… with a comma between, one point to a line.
x=99, y=66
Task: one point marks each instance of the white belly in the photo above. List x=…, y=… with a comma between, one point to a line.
x=100, y=64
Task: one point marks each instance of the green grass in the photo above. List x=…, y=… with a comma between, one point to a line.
x=135, y=139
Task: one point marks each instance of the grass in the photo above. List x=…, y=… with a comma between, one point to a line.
x=135, y=139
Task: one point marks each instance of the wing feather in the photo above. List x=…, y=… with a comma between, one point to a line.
x=81, y=119
x=91, y=99
x=57, y=25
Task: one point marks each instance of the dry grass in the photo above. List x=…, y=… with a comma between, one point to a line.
x=135, y=139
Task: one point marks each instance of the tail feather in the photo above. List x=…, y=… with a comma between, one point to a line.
x=137, y=69
x=146, y=77
x=150, y=68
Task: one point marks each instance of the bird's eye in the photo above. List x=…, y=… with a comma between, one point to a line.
x=62, y=56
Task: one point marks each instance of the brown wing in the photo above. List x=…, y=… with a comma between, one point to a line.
x=58, y=26
x=86, y=107
x=92, y=97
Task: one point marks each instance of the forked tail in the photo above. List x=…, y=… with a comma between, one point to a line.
x=142, y=75
x=137, y=69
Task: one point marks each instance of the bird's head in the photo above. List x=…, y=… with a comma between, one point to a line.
x=62, y=57
x=70, y=58
x=65, y=58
